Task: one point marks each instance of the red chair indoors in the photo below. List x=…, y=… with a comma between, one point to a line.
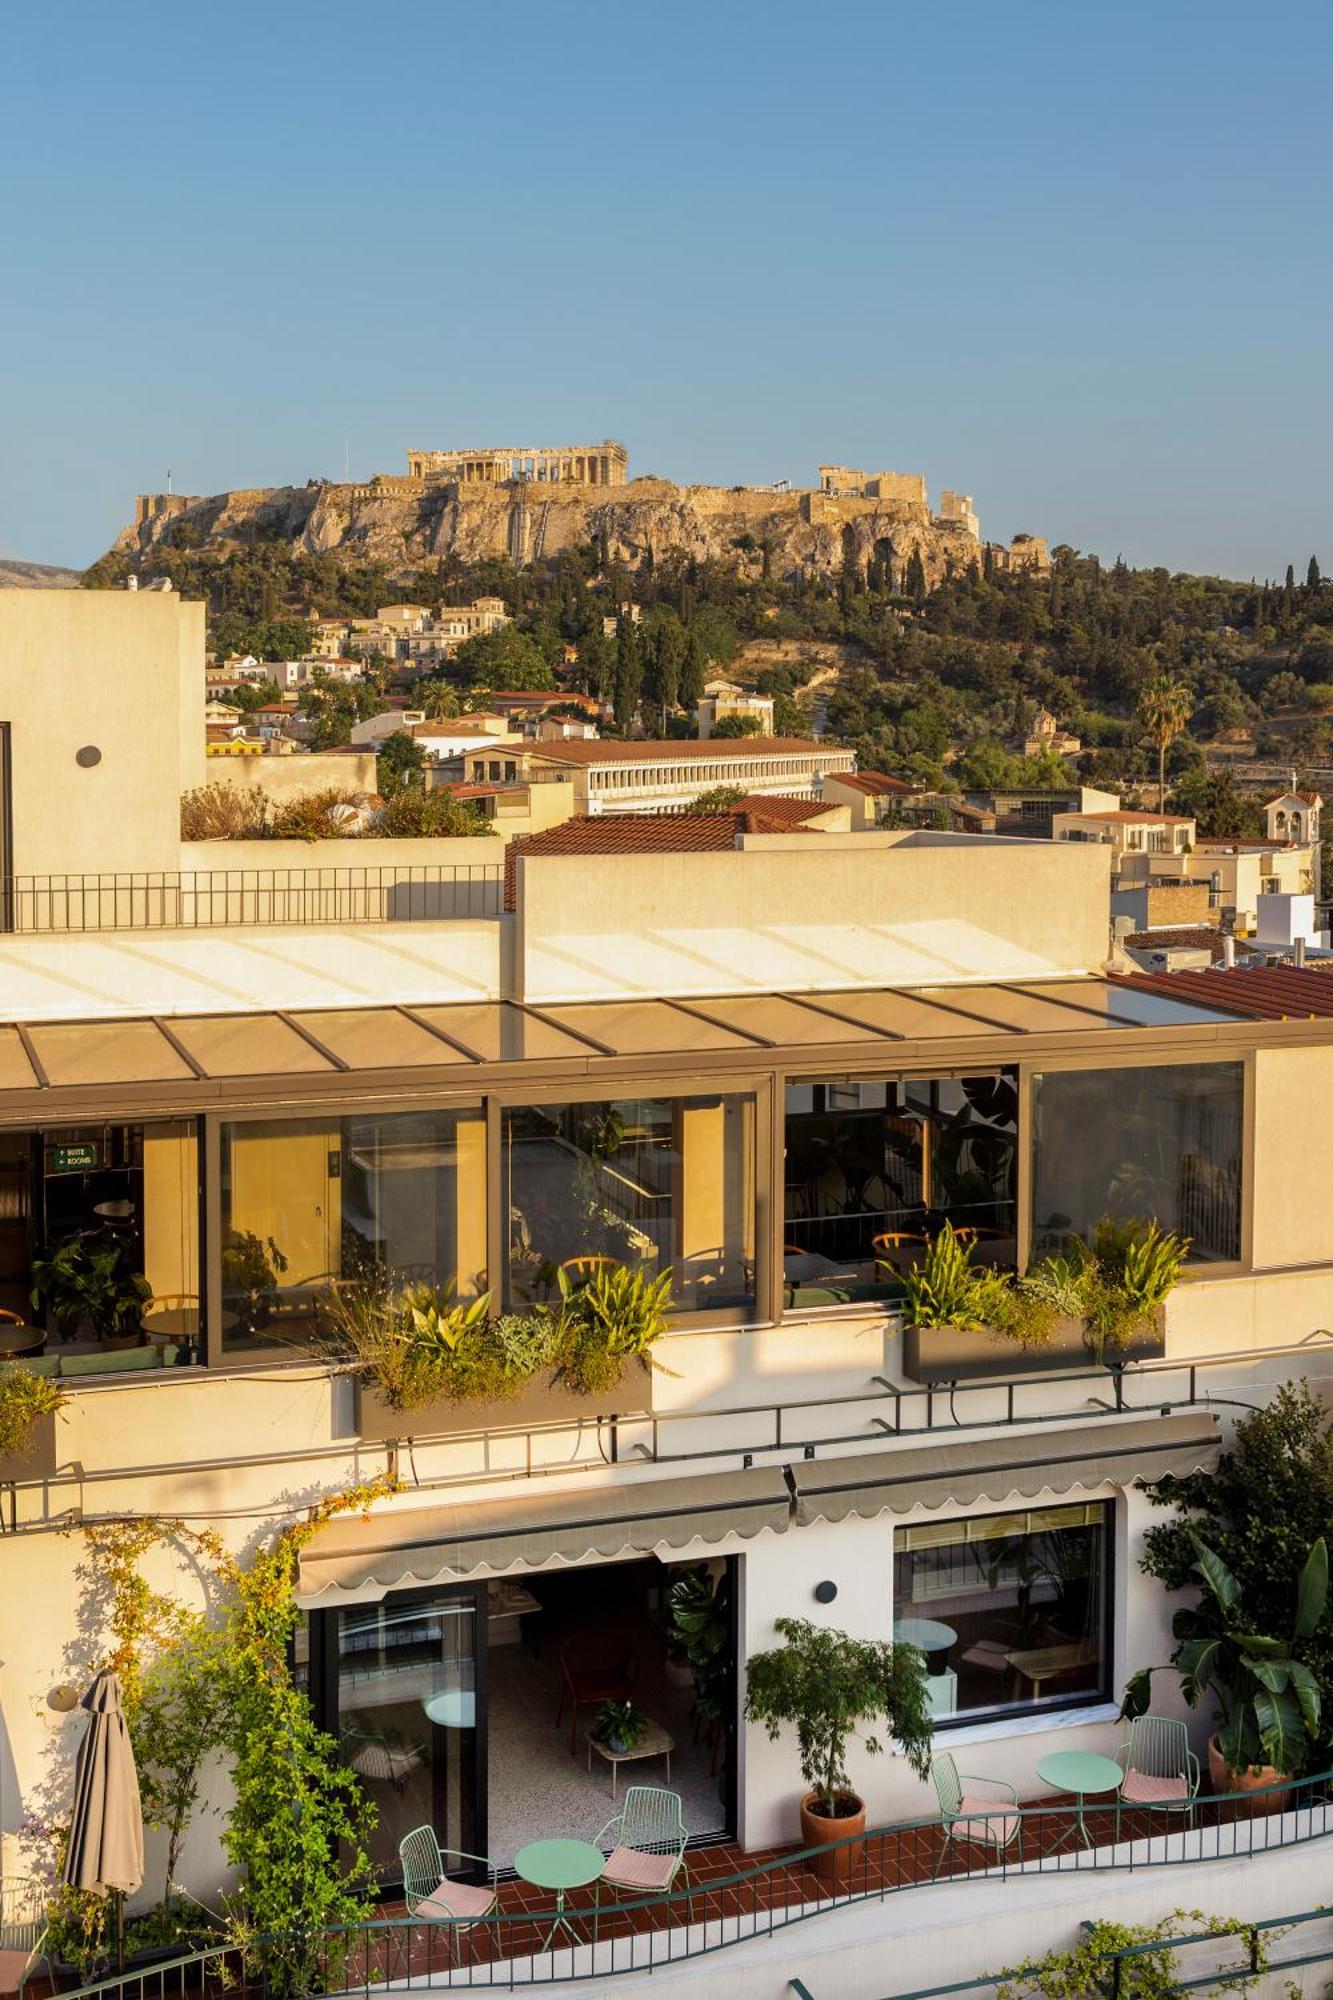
x=594, y=1668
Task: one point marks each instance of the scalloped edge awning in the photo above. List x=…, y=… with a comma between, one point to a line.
x=359, y=1560
x=959, y=1474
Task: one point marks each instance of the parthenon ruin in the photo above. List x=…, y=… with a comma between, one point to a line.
x=604, y=464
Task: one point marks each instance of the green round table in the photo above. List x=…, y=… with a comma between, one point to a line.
x=1083, y=1774
x=560, y=1865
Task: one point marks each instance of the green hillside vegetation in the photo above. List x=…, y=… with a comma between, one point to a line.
x=941, y=685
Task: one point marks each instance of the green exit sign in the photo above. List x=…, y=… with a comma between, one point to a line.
x=73, y=1159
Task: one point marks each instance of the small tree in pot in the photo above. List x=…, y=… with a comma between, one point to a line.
x=826, y=1685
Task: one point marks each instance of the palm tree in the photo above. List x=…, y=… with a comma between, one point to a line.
x=1164, y=707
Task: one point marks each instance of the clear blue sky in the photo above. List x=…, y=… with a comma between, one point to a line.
x=1073, y=259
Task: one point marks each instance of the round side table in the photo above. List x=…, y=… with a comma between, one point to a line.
x=560, y=1865
x=1083, y=1774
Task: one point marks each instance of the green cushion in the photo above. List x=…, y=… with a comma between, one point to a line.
x=118, y=1361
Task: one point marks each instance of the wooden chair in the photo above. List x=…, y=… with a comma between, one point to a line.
x=22, y=1931
x=971, y=1818
x=1161, y=1771
x=647, y=1837
x=592, y=1670
x=581, y=1269
x=180, y=1318
x=895, y=1244
x=437, y=1898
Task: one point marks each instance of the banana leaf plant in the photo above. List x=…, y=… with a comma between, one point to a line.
x=1268, y=1705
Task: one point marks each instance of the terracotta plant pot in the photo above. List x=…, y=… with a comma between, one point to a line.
x=837, y=1868
x=1253, y=1779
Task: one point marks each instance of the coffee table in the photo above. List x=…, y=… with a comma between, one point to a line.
x=654, y=1742
x=560, y=1865
x=1085, y=1775
x=928, y=1635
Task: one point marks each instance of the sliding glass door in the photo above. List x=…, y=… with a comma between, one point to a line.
x=406, y=1682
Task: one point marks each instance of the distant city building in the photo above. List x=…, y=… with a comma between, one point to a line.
x=1047, y=735
x=723, y=698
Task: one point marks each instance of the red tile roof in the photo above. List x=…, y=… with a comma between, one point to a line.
x=650, y=833
x=783, y=814
x=1259, y=992
x=1134, y=818
x=874, y=783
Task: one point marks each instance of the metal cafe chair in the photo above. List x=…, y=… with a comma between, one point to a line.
x=436, y=1897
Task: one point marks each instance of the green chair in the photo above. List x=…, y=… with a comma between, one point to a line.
x=22, y=1931
x=647, y=1842
x=1161, y=1771
x=435, y=1897
x=970, y=1818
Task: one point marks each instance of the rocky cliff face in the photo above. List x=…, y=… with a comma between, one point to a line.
x=409, y=524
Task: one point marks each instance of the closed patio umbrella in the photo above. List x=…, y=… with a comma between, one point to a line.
x=105, y=1852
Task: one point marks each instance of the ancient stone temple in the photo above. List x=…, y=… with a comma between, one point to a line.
x=604, y=464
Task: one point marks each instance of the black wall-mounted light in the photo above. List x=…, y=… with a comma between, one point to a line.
x=88, y=756
x=825, y=1592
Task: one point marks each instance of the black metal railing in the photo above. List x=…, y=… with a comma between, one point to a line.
x=208, y=899
x=508, y=1949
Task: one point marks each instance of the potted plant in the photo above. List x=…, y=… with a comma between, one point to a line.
x=1104, y=1298
x=28, y=1405
x=607, y=1322
x=251, y=1267
x=620, y=1726
x=90, y=1276
x=825, y=1685
x=699, y=1635
x=1267, y=1701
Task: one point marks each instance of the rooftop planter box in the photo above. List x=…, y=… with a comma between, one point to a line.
x=380, y=1422
x=935, y=1354
x=29, y=1401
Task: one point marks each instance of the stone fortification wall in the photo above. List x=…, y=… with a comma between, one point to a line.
x=408, y=523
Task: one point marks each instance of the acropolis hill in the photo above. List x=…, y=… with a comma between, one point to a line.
x=528, y=502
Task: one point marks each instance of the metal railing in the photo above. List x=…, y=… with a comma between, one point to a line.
x=509, y=1949
x=1116, y=1966
x=185, y=899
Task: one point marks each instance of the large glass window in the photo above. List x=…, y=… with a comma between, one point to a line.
x=101, y=1222
x=661, y=1182
x=873, y=1170
x=309, y=1202
x=1147, y=1145
x=409, y=1710
x=1010, y=1610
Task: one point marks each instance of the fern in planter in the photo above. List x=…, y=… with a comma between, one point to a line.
x=25, y=1398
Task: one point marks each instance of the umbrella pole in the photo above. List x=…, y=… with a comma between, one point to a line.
x=119, y=1895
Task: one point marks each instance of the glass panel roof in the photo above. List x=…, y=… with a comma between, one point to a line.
x=648, y=1027
x=786, y=1023
x=247, y=1045
x=500, y=1032
x=1148, y=1010
x=378, y=1038
x=15, y=1069
x=106, y=1052
x=917, y=1016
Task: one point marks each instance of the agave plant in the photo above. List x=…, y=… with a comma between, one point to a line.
x=434, y=1321
x=616, y=1315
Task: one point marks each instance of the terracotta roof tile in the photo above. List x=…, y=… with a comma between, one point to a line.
x=874, y=783
x=1202, y=937
x=1258, y=992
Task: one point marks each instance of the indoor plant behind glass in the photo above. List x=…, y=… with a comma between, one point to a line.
x=826, y=1685
x=620, y=1726
x=91, y=1275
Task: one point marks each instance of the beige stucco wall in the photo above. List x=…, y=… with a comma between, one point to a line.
x=1293, y=1155
x=294, y=777
x=120, y=671
x=811, y=912
x=210, y=855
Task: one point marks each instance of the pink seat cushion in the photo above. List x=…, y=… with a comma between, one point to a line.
x=981, y=1819
x=457, y=1899
x=13, y=1965
x=1142, y=1790
x=631, y=1868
